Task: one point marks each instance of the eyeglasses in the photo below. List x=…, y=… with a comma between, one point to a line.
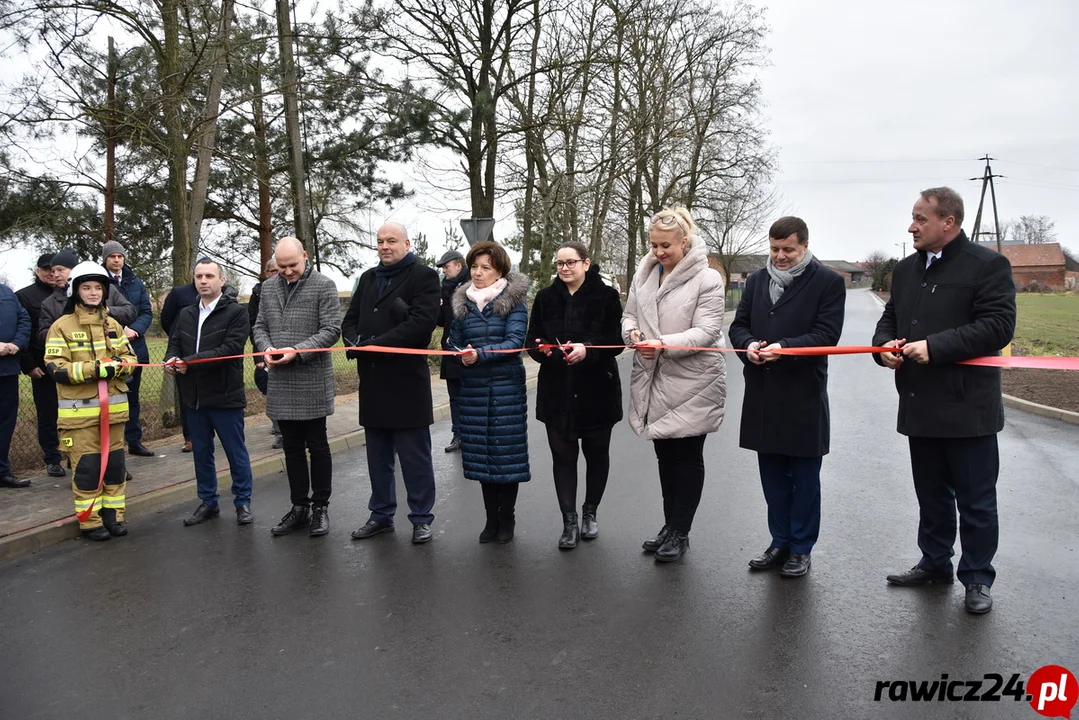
x=570, y=264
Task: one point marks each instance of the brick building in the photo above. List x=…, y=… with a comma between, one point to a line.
x=1043, y=263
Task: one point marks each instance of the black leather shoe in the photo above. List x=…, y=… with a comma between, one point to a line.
x=589, y=526
x=202, y=513
x=277, y=443
x=978, y=601
x=244, y=516
x=490, y=530
x=140, y=450
x=570, y=531
x=55, y=470
x=320, y=520
x=797, y=565
x=654, y=543
x=108, y=519
x=454, y=445
x=421, y=533
x=299, y=516
x=917, y=576
x=370, y=529
x=13, y=482
x=674, y=547
x=98, y=534
x=773, y=557
x=506, y=525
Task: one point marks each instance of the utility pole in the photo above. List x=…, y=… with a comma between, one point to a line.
x=987, y=180
x=301, y=208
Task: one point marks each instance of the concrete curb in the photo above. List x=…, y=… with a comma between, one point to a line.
x=36, y=538
x=1043, y=410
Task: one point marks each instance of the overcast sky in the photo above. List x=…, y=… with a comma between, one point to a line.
x=868, y=103
x=871, y=102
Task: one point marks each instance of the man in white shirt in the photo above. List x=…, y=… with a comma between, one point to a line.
x=213, y=393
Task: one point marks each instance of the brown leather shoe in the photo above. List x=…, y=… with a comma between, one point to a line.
x=186, y=447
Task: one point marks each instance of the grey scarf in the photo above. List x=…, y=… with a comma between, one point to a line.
x=780, y=279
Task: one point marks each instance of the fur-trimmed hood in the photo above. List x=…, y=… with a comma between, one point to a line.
x=514, y=294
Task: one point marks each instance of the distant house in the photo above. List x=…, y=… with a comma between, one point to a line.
x=741, y=268
x=853, y=274
x=1043, y=263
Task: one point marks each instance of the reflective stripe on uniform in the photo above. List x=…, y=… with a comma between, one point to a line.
x=83, y=412
x=113, y=502
x=76, y=373
x=84, y=503
x=114, y=400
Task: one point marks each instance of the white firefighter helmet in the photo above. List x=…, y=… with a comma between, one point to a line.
x=88, y=271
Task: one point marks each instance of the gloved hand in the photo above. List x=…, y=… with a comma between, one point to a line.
x=106, y=369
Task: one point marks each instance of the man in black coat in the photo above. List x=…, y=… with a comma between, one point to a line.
x=396, y=305
x=454, y=274
x=180, y=297
x=213, y=393
x=33, y=364
x=952, y=300
x=794, y=301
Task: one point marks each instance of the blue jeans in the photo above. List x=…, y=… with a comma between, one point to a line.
x=413, y=446
x=9, y=412
x=229, y=426
x=792, y=489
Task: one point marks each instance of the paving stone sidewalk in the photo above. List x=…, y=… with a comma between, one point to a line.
x=48, y=500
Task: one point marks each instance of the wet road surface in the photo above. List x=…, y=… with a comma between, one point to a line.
x=225, y=621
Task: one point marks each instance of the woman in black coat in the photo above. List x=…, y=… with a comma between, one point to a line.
x=793, y=302
x=579, y=397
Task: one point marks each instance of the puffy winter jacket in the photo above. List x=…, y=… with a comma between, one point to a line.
x=493, y=403
x=679, y=393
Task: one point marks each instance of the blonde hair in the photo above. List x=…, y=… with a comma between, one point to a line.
x=676, y=216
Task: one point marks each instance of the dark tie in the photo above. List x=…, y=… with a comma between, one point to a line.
x=932, y=259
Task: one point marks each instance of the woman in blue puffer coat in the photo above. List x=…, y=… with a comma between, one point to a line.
x=489, y=314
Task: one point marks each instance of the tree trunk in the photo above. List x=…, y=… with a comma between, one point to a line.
x=171, y=98
x=110, y=145
x=262, y=171
x=207, y=132
x=530, y=160
x=300, y=205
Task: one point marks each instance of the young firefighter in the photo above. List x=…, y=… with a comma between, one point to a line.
x=84, y=349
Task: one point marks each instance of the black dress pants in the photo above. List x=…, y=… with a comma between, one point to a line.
x=298, y=438
x=961, y=473
x=681, y=477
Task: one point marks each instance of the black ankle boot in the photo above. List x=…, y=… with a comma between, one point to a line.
x=115, y=527
x=589, y=527
x=490, y=530
x=570, y=532
x=674, y=547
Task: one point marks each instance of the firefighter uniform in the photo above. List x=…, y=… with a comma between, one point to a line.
x=81, y=349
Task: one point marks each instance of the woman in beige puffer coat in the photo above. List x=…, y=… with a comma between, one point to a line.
x=677, y=397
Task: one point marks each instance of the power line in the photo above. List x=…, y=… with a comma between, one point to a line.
x=860, y=180
x=878, y=161
x=1047, y=167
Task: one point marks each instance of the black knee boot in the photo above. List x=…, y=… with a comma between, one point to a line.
x=507, y=501
x=490, y=505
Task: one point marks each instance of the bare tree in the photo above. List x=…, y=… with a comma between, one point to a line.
x=1034, y=229
x=736, y=226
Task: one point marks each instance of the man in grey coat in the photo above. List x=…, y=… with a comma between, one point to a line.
x=299, y=310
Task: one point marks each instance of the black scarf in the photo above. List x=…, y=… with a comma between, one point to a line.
x=385, y=273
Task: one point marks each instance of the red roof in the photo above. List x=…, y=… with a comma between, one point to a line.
x=1034, y=255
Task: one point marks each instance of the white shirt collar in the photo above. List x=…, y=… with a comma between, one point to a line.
x=209, y=308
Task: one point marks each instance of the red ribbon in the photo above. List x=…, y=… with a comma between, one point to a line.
x=1042, y=363
x=103, y=426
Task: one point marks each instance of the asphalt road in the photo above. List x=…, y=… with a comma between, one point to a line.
x=226, y=621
